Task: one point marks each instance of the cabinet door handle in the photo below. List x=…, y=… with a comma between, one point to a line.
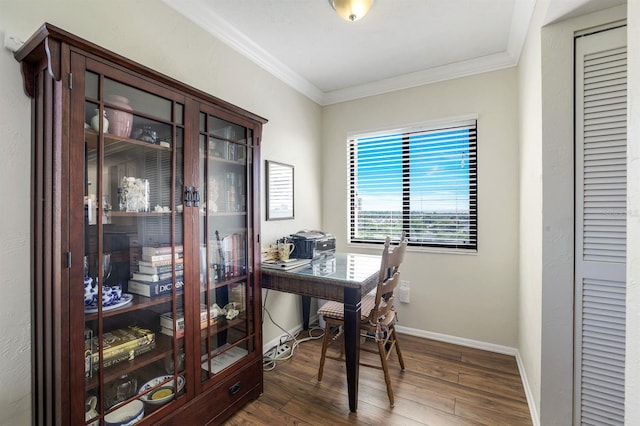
x=187, y=196
x=196, y=196
x=234, y=389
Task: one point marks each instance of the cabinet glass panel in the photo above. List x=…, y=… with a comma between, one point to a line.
x=225, y=167
x=133, y=260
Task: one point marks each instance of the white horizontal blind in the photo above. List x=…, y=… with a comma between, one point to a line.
x=422, y=182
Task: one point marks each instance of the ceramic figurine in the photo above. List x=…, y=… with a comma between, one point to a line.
x=95, y=123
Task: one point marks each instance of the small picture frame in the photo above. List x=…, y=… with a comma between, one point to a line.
x=279, y=181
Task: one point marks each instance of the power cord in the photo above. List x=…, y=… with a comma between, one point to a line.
x=287, y=344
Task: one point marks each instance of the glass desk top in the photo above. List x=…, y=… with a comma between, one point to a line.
x=344, y=269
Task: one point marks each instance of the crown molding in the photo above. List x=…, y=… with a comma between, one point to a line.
x=201, y=14
x=432, y=75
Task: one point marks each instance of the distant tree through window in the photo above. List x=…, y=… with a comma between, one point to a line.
x=423, y=182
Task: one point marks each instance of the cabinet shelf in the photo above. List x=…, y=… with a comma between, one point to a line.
x=115, y=143
x=139, y=302
x=222, y=324
x=223, y=214
x=226, y=282
x=221, y=160
x=142, y=214
x=162, y=350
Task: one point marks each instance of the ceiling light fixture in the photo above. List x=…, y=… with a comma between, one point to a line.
x=351, y=10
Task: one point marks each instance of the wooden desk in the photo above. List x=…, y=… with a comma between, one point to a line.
x=344, y=277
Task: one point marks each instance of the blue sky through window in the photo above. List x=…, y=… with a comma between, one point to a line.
x=439, y=172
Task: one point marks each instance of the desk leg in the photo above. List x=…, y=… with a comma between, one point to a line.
x=306, y=307
x=352, y=308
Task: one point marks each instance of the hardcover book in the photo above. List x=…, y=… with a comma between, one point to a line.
x=152, y=278
x=153, y=289
x=166, y=319
x=151, y=251
x=120, y=341
x=167, y=262
x=160, y=269
x=126, y=356
x=160, y=257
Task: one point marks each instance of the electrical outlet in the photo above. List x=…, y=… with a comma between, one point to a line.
x=403, y=291
x=283, y=351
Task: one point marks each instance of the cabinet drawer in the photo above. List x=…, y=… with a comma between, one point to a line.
x=235, y=387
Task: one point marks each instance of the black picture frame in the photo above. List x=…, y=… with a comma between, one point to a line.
x=280, y=190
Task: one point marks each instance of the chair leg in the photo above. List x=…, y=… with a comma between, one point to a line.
x=325, y=344
x=385, y=369
x=395, y=340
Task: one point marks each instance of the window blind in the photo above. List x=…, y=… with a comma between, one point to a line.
x=422, y=182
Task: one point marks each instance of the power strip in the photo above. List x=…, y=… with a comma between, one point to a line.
x=283, y=351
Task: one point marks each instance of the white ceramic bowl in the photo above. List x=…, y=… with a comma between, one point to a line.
x=128, y=414
x=162, y=394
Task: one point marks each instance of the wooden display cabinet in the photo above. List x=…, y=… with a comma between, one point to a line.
x=146, y=283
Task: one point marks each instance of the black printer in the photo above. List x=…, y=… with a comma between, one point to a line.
x=312, y=244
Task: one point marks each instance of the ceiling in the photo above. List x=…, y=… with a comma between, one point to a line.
x=398, y=44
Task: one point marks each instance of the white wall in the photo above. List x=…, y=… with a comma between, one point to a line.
x=546, y=224
x=530, y=137
x=466, y=296
x=150, y=33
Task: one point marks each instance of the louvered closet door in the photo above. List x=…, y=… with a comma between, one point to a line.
x=601, y=147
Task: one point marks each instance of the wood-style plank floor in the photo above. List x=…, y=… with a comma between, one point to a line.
x=442, y=384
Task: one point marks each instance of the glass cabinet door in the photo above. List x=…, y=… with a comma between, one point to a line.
x=133, y=259
x=226, y=164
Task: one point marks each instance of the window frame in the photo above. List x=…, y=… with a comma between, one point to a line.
x=468, y=246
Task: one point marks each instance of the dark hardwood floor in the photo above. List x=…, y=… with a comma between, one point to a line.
x=442, y=384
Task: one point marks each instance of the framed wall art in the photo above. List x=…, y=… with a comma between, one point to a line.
x=279, y=191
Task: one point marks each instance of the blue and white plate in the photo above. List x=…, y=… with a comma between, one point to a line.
x=125, y=299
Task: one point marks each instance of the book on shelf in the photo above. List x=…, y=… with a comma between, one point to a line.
x=152, y=278
x=161, y=257
x=229, y=256
x=168, y=262
x=160, y=269
x=237, y=295
x=88, y=349
x=152, y=251
x=222, y=359
x=286, y=264
x=154, y=289
x=166, y=319
x=169, y=332
x=120, y=341
x=129, y=355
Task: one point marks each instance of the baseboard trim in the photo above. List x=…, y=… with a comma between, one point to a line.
x=476, y=344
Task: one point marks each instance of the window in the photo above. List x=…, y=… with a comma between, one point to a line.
x=421, y=181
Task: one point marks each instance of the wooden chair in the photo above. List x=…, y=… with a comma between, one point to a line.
x=377, y=320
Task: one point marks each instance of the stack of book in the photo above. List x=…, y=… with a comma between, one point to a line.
x=166, y=322
x=155, y=271
x=285, y=264
x=117, y=346
x=229, y=257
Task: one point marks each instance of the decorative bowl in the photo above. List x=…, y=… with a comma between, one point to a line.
x=110, y=294
x=162, y=394
x=128, y=414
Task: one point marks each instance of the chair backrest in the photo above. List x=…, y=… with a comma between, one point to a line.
x=391, y=260
x=389, y=278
